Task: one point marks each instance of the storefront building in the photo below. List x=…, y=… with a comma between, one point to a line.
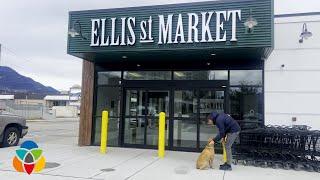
x=186, y=60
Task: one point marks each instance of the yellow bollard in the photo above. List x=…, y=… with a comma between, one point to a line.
x=104, y=132
x=224, y=155
x=162, y=130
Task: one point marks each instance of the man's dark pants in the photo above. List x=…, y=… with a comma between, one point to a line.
x=231, y=138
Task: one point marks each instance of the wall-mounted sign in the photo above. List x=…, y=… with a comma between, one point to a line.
x=188, y=28
x=126, y=32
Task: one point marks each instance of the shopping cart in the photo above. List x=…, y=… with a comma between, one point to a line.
x=286, y=147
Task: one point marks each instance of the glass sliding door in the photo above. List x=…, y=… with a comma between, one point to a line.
x=142, y=108
x=185, y=119
x=186, y=116
x=134, y=123
x=191, y=109
x=157, y=101
x=211, y=100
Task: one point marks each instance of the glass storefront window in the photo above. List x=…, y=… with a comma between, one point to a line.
x=206, y=132
x=185, y=104
x=246, y=104
x=113, y=131
x=108, y=98
x=185, y=133
x=135, y=103
x=191, y=105
x=158, y=101
x=200, y=75
x=109, y=78
x=134, y=130
x=147, y=75
x=246, y=77
x=210, y=100
x=152, y=132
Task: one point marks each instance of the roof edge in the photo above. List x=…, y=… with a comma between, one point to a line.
x=296, y=14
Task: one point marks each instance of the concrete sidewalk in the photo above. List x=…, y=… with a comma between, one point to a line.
x=134, y=164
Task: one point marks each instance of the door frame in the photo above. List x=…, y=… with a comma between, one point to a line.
x=171, y=86
x=172, y=118
x=145, y=104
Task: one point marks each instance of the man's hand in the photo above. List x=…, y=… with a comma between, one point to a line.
x=224, y=140
x=210, y=141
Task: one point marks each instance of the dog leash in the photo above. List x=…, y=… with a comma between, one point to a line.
x=224, y=154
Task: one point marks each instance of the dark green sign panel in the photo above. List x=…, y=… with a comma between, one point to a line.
x=220, y=25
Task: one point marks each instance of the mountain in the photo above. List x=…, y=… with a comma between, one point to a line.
x=12, y=82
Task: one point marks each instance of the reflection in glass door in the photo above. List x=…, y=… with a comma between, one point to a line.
x=186, y=117
x=210, y=100
x=157, y=101
x=191, y=109
x=134, y=117
x=142, y=108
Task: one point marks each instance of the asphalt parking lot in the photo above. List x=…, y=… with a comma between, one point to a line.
x=62, y=131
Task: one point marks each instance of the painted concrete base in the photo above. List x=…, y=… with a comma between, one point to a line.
x=135, y=164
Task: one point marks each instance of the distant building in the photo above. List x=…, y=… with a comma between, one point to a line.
x=57, y=100
x=67, y=104
x=38, y=106
x=6, y=97
x=66, y=98
x=29, y=99
x=75, y=96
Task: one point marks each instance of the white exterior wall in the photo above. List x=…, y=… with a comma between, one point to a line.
x=294, y=91
x=65, y=111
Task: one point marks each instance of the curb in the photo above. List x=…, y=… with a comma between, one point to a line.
x=53, y=120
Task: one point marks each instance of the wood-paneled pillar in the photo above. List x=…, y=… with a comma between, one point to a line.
x=86, y=108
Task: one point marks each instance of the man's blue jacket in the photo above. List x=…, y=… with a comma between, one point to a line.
x=225, y=123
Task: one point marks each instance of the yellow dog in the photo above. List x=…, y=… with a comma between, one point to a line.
x=206, y=157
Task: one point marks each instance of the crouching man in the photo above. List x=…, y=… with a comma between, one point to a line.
x=229, y=130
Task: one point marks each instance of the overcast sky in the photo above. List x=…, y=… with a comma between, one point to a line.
x=34, y=34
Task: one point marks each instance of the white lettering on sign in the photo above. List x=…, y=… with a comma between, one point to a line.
x=172, y=29
x=103, y=32
x=165, y=30
x=193, y=27
x=219, y=26
x=234, y=14
x=144, y=36
x=179, y=31
x=206, y=27
x=132, y=38
x=95, y=25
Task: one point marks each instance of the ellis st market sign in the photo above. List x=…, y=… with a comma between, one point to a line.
x=187, y=28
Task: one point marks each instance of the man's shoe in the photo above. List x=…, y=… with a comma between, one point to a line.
x=225, y=167
x=223, y=164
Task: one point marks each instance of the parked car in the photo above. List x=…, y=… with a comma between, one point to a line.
x=12, y=128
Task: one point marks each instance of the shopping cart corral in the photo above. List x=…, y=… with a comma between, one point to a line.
x=285, y=147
